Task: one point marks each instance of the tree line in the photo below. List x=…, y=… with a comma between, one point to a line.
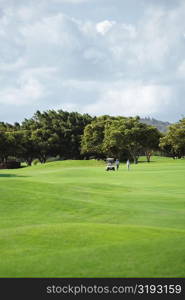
x=71, y=135
x=47, y=134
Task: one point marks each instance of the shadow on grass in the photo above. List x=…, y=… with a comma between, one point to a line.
x=145, y=161
x=11, y=175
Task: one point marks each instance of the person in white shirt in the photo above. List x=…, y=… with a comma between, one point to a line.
x=128, y=165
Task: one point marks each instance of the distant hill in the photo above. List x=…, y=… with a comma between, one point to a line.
x=160, y=125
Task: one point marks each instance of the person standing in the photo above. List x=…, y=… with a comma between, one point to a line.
x=117, y=164
x=128, y=165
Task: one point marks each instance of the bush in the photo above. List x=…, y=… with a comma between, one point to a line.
x=35, y=162
x=12, y=164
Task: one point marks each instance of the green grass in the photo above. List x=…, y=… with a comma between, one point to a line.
x=74, y=219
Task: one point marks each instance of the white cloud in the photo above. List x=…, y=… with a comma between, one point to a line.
x=25, y=14
x=57, y=30
x=93, y=59
x=94, y=55
x=181, y=70
x=29, y=88
x=15, y=66
x=26, y=93
x=104, y=26
x=131, y=99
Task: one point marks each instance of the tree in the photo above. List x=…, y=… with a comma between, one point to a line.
x=129, y=137
x=133, y=137
x=93, y=137
x=10, y=144
x=43, y=143
x=150, y=140
x=3, y=147
x=65, y=128
x=173, y=143
x=124, y=134
x=57, y=133
x=114, y=143
x=28, y=147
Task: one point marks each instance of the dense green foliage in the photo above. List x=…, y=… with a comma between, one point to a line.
x=73, y=219
x=174, y=142
x=120, y=137
x=71, y=135
x=47, y=134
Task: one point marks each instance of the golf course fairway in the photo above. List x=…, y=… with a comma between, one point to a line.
x=74, y=219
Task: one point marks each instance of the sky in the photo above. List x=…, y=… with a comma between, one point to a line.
x=116, y=57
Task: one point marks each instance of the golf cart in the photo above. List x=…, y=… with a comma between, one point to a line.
x=110, y=164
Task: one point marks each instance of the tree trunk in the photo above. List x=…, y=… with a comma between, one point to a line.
x=134, y=156
x=29, y=161
x=42, y=159
x=148, y=156
x=136, y=160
